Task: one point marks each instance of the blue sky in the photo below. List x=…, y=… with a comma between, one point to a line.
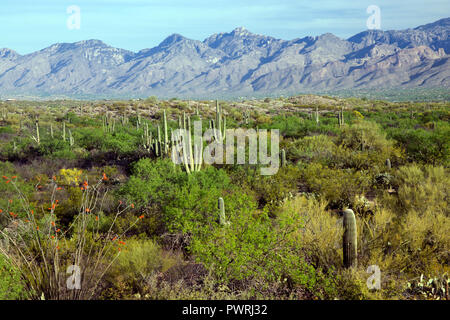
x=29, y=25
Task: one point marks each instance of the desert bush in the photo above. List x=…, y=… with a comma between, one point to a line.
x=321, y=233
x=312, y=149
x=337, y=186
x=423, y=146
x=11, y=286
x=422, y=188
x=253, y=247
x=184, y=200
x=140, y=260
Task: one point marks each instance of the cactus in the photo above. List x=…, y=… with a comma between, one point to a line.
x=138, y=122
x=222, y=218
x=190, y=149
x=317, y=115
x=71, y=140
x=37, y=138
x=219, y=129
x=388, y=164
x=51, y=130
x=283, y=158
x=146, y=138
x=166, y=136
x=341, y=117
x=64, y=131
x=246, y=116
x=349, y=240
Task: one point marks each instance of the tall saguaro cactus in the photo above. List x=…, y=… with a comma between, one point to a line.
x=166, y=135
x=388, y=164
x=191, y=149
x=222, y=218
x=219, y=126
x=283, y=158
x=37, y=138
x=341, y=117
x=71, y=139
x=349, y=240
x=64, y=131
x=317, y=116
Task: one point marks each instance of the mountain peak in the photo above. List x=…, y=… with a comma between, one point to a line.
x=240, y=31
x=443, y=23
x=91, y=43
x=8, y=53
x=172, y=39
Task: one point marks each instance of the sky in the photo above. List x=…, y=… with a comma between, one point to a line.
x=30, y=25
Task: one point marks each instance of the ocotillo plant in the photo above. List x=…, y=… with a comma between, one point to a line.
x=349, y=241
x=222, y=218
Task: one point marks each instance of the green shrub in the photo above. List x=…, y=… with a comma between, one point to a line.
x=184, y=200
x=11, y=287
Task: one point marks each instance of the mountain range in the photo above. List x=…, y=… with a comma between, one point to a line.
x=238, y=63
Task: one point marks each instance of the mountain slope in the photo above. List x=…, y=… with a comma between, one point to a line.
x=235, y=63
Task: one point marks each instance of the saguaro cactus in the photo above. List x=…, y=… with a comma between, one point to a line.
x=191, y=149
x=283, y=158
x=341, y=117
x=388, y=164
x=71, y=139
x=37, y=138
x=350, y=239
x=219, y=129
x=64, y=131
x=222, y=219
x=166, y=135
x=317, y=115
